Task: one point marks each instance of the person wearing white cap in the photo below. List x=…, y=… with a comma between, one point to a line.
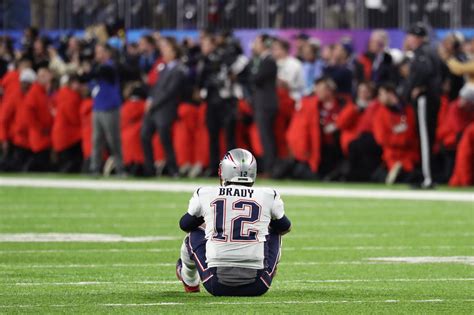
x=15, y=145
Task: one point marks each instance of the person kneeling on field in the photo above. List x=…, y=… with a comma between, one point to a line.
x=237, y=249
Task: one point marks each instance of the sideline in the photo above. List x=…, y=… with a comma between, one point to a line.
x=170, y=186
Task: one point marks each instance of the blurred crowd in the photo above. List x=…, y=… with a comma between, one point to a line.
x=100, y=105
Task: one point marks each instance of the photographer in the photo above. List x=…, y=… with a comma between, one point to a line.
x=215, y=87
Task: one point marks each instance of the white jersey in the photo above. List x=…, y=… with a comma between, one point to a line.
x=237, y=220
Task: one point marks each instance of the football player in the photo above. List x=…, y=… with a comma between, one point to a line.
x=234, y=232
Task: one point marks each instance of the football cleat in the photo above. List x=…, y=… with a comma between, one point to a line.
x=187, y=288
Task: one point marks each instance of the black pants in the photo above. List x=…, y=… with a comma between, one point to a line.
x=426, y=108
x=38, y=162
x=70, y=159
x=220, y=116
x=364, y=158
x=443, y=164
x=14, y=159
x=265, y=119
x=152, y=124
x=331, y=157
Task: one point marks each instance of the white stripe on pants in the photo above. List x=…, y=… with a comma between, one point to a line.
x=424, y=141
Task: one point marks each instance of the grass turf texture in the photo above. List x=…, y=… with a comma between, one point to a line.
x=331, y=240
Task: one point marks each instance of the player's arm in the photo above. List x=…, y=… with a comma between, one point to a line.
x=189, y=222
x=280, y=222
x=193, y=218
x=281, y=226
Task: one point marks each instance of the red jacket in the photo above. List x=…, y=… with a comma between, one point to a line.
x=10, y=84
x=86, y=127
x=131, y=119
x=328, y=115
x=10, y=104
x=366, y=123
x=397, y=145
x=21, y=123
x=463, y=174
x=452, y=124
x=304, y=134
x=67, y=123
x=40, y=118
x=352, y=122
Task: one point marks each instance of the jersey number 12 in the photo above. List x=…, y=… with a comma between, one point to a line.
x=237, y=224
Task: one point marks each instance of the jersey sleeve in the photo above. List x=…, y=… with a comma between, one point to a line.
x=278, y=208
x=194, y=207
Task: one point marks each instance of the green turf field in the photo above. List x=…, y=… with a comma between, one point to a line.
x=325, y=266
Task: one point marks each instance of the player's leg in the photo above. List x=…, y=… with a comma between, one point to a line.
x=192, y=264
x=196, y=246
x=188, y=271
x=272, y=257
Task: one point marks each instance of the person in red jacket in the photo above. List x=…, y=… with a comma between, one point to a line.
x=312, y=136
x=131, y=118
x=357, y=141
x=9, y=88
x=66, y=132
x=15, y=125
x=40, y=118
x=463, y=174
x=456, y=116
x=395, y=131
x=304, y=137
x=348, y=120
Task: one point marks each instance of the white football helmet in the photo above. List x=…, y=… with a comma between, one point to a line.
x=238, y=167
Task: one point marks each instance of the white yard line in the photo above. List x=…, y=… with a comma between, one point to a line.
x=92, y=250
x=377, y=235
x=375, y=248
x=84, y=250
x=154, y=265
x=190, y=187
x=309, y=248
x=256, y=302
x=152, y=282
x=469, y=260
x=79, y=237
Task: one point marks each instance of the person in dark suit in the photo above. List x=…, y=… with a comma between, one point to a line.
x=161, y=106
x=422, y=90
x=264, y=101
